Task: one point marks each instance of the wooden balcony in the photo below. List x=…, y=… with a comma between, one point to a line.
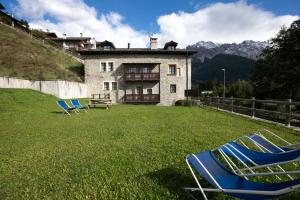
x=141, y=98
x=141, y=76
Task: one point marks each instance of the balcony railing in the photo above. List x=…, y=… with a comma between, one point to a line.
x=141, y=98
x=142, y=76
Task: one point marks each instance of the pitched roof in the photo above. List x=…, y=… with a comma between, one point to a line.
x=137, y=51
x=71, y=39
x=51, y=35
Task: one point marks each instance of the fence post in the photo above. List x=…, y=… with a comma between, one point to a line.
x=231, y=103
x=218, y=102
x=288, y=112
x=253, y=107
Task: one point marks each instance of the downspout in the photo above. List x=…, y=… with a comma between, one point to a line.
x=187, y=70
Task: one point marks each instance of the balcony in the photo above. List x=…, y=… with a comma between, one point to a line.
x=141, y=76
x=141, y=98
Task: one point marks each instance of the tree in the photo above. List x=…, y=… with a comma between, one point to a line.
x=277, y=73
x=2, y=7
x=240, y=89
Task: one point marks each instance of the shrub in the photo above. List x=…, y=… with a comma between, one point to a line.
x=186, y=102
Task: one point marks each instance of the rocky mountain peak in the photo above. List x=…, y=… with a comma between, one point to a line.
x=248, y=48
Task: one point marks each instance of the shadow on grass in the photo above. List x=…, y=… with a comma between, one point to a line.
x=175, y=181
x=57, y=112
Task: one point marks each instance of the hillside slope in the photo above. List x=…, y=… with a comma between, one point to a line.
x=23, y=57
x=237, y=67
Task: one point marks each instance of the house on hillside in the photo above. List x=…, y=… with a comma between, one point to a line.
x=75, y=43
x=50, y=35
x=12, y=21
x=138, y=75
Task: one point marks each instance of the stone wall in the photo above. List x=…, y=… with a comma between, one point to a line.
x=60, y=89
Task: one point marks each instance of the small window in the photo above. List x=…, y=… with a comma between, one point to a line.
x=103, y=66
x=106, y=48
x=106, y=86
x=114, y=85
x=146, y=70
x=149, y=91
x=132, y=70
x=172, y=69
x=110, y=66
x=172, y=48
x=172, y=88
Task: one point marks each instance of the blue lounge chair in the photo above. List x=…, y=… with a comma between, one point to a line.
x=266, y=145
x=226, y=181
x=259, y=158
x=76, y=104
x=66, y=108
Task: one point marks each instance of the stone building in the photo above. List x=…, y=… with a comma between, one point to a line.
x=74, y=43
x=138, y=75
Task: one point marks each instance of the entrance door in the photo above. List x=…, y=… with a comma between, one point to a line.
x=139, y=90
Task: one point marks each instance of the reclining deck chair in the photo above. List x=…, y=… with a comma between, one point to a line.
x=226, y=181
x=76, y=104
x=66, y=107
x=261, y=159
x=266, y=145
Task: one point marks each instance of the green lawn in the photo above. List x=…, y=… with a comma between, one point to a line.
x=127, y=152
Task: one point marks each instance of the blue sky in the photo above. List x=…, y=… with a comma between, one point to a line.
x=135, y=19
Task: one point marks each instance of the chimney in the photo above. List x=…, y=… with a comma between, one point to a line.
x=64, y=36
x=128, y=45
x=153, y=43
x=81, y=34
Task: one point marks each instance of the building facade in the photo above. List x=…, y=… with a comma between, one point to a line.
x=130, y=75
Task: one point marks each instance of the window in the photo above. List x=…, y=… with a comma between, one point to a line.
x=106, y=85
x=146, y=70
x=103, y=66
x=139, y=90
x=114, y=86
x=172, y=48
x=107, y=48
x=110, y=66
x=172, y=69
x=149, y=91
x=132, y=70
x=172, y=88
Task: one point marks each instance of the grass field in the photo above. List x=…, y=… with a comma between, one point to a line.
x=127, y=152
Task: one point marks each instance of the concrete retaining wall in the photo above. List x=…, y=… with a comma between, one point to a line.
x=60, y=89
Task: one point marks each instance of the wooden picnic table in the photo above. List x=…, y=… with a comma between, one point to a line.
x=102, y=100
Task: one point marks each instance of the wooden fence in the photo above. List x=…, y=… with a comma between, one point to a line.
x=286, y=112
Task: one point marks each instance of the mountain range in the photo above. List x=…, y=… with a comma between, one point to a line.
x=237, y=58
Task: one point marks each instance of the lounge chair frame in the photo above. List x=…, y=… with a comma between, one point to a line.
x=81, y=106
x=220, y=189
x=66, y=111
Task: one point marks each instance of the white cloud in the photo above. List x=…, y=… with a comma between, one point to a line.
x=222, y=23
x=219, y=22
x=74, y=17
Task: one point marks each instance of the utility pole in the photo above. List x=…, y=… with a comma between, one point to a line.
x=224, y=87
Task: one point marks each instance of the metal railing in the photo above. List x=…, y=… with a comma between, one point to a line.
x=141, y=98
x=142, y=76
x=286, y=112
